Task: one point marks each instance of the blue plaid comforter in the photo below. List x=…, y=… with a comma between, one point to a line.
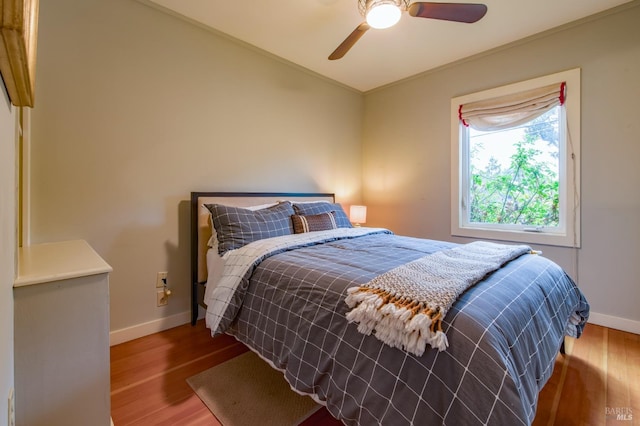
x=504, y=334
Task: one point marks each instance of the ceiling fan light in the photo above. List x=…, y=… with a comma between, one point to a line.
x=383, y=15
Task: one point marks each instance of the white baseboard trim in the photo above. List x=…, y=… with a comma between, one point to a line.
x=618, y=323
x=155, y=326
x=144, y=329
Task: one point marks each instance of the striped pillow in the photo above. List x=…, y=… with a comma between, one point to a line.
x=314, y=222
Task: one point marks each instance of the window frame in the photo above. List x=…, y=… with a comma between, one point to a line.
x=568, y=232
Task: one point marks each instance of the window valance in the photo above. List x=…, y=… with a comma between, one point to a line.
x=513, y=109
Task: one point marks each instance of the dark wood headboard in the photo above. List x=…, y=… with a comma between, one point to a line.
x=201, y=228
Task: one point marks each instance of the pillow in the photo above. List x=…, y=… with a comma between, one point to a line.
x=314, y=222
x=305, y=209
x=237, y=227
x=213, y=241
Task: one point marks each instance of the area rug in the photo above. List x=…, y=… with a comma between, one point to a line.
x=246, y=391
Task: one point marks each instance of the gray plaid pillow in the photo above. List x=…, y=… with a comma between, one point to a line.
x=342, y=220
x=237, y=227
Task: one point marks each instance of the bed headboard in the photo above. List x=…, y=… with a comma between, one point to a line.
x=201, y=227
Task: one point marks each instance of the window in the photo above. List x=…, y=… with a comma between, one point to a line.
x=515, y=162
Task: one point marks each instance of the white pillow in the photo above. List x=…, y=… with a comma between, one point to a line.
x=308, y=202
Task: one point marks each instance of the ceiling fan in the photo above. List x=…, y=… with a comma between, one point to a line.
x=381, y=14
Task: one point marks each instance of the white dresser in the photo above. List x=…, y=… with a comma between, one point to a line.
x=61, y=334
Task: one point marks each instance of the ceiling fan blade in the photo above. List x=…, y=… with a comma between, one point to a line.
x=349, y=41
x=458, y=12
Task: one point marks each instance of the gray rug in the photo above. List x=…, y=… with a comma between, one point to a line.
x=246, y=391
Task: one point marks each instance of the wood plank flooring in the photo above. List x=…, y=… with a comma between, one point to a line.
x=596, y=383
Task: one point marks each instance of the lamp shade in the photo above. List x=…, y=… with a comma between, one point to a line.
x=358, y=214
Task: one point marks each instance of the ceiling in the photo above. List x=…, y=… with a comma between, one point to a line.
x=305, y=32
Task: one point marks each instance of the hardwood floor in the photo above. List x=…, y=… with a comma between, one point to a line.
x=596, y=383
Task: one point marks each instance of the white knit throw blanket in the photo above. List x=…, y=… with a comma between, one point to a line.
x=404, y=307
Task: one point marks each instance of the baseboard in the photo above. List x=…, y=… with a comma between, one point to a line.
x=618, y=323
x=155, y=326
x=144, y=329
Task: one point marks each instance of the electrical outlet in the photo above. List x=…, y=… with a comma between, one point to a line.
x=12, y=408
x=162, y=298
x=161, y=279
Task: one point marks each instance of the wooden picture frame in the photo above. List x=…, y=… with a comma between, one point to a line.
x=18, y=40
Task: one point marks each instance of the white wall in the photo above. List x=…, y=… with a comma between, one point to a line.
x=8, y=194
x=136, y=108
x=406, y=160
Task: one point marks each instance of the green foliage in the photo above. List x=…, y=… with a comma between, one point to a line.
x=527, y=192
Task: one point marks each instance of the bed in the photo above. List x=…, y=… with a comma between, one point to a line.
x=295, y=293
